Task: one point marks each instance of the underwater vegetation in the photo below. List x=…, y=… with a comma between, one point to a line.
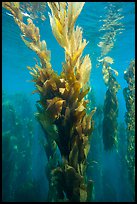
x=91, y=100
x=19, y=182
x=16, y=147
x=68, y=114
x=62, y=107
x=110, y=109
x=111, y=26
x=129, y=95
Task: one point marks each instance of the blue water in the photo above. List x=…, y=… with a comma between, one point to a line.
x=16, y=57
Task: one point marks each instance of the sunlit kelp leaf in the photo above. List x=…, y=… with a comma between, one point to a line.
x=74, y=10
x=86, y=146
x=84, y=70
x=68, y=37
x=51, y=102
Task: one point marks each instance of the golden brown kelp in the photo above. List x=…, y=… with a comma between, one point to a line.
x=129, y=95
x=110, y=106
x=62, y=105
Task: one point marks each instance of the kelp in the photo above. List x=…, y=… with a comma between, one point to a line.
x=31, y=32
x=111, y=26
x=62, y=105
x=75, y=68
x=110, y=108
x=129, y=95
x=17, y=144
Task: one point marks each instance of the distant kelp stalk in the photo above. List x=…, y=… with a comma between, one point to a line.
x=16, y=145
x=62, y=109
x=129, y=95
x=112, y=27
x=110, y=108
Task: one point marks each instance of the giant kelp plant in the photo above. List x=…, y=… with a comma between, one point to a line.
x=62, y=107
x=129, y=95
x=112, y=27
x=110, y=109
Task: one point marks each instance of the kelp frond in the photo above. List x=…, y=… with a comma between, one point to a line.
x=30, y=33
x=14, y=8
x=62, y=21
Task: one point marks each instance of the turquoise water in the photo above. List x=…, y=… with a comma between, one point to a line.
x=15, y=76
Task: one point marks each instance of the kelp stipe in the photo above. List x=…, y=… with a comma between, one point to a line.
x=129, y=95
x=110, y=108
x=112, y=26
x=62, y=107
